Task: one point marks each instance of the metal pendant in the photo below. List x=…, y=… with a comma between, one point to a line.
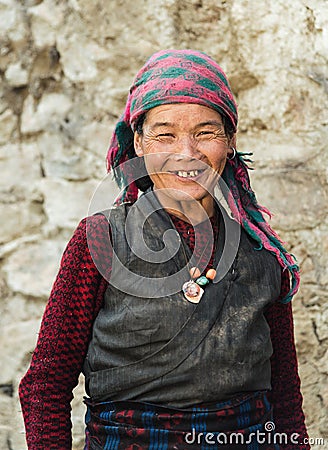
x=192, y=291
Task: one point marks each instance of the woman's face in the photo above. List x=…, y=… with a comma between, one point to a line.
x=185, y=149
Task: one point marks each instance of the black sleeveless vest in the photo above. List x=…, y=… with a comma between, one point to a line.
x=150, y=344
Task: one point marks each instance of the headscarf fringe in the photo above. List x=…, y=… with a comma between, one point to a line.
x=249, y=213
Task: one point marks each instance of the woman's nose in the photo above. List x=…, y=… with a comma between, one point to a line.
x=187, y=146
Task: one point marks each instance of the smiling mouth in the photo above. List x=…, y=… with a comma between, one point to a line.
x=188, y=173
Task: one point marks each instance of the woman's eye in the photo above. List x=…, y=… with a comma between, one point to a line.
x=205, y=133
x=165, y=135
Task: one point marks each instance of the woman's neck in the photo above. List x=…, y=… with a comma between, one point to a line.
x=194, y=211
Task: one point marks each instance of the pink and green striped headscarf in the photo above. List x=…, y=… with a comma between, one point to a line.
x=188, y=76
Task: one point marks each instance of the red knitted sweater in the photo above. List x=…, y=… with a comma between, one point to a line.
x=77, y=294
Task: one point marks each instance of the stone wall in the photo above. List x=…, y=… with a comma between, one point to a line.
x=66, y=66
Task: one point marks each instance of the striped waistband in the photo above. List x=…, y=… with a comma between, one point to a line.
x=139, y=426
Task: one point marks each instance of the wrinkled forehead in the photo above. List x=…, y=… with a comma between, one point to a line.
x=181, y=114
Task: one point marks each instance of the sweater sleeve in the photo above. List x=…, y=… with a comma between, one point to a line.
x=76, y=297
x=286, y=395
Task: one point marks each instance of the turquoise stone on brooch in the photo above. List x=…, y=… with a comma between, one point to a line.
x=202, y=281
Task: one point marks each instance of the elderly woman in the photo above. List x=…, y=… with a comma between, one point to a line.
x=175, y=304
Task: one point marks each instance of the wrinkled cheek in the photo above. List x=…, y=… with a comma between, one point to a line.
x=155, y=162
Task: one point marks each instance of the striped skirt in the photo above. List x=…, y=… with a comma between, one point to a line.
x=244, y=422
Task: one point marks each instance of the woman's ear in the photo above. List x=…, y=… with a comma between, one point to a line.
x=138, y=144
x=232, y=144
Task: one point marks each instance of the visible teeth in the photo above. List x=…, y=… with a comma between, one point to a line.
x=191, y=173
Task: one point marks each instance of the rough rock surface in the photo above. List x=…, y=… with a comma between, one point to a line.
x=65, y=69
